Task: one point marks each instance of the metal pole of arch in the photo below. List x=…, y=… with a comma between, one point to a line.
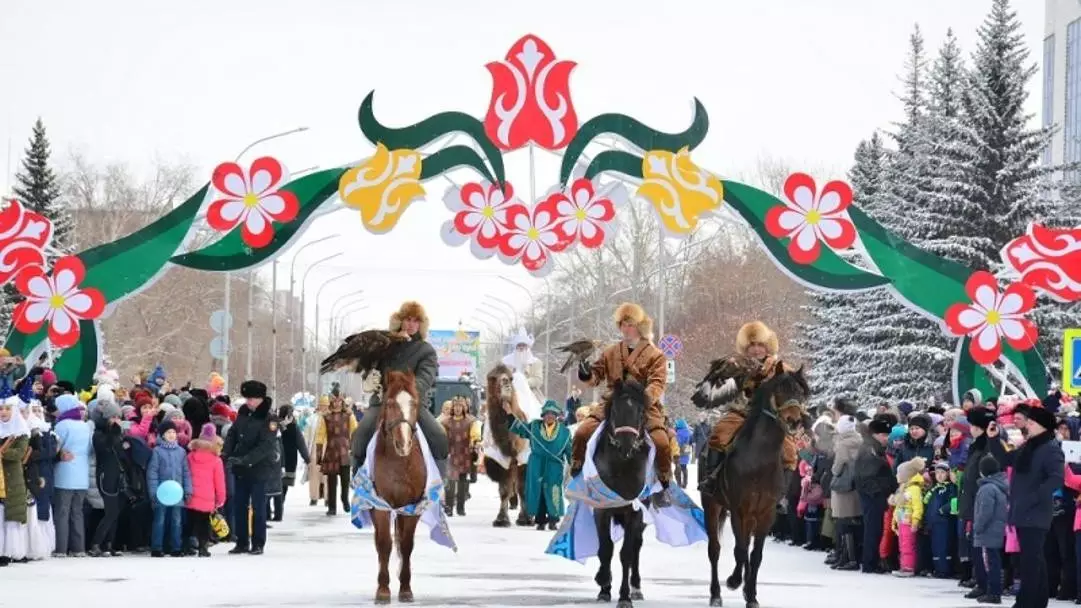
x=292, y=310
x=318, y=295
x=303, y=310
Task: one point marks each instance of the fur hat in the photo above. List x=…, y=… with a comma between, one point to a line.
x=253, y=389
x=756, y=332
x=980, y=417
x=629, y=311
x=408, y=310
x=921, y=420
x=879, y=425
x=1042, y=417
x=909, y=469
x=108, y=409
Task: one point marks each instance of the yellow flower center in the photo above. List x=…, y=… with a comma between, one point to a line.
x=251, y=200
x=993, y=317
x=580, y=214
x=56, y=301
x=487, y=212
x=533, y=234
x=813, y=217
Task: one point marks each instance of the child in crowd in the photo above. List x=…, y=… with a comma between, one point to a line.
x=989, y=532
x=207, y=484
x=908, y=512
x=167, y=463
x=940, y=521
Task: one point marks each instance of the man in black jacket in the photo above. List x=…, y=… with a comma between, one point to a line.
x=252, y=455
x=875, y=482
x=1038, y=470
x=418, y=357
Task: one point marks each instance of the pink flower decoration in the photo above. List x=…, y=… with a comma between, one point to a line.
x=583, y=216
x=532, y=237
x=992, y=315
x=808, y=218
x=57, y=300
x=253, y=200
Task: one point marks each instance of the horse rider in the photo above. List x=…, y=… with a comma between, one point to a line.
x=635, y=356
x=417, y=357
x=757, y=341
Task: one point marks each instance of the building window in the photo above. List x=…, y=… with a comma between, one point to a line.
x=1048, y=89
x=1072, y=127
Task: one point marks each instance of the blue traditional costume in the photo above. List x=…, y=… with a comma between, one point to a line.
x=550, y=453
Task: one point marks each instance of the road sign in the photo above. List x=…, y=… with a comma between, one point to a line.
x=1071, y=361
x=671, y=371
x=217, y=347
x=671, y=346
x=220, y=321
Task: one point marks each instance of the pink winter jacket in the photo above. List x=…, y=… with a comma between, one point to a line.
x=1073, y=481
x=207, y=477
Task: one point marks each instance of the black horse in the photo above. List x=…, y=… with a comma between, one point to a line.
x=751, y=479
x=621, y=459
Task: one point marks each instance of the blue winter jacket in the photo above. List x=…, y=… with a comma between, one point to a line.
x=989, y=515
x=168, y=462
x=75, y=437
x=685, y=438
x=938, y=502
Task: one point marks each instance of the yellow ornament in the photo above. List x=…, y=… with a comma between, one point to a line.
x=679, y=190
x=382, y=187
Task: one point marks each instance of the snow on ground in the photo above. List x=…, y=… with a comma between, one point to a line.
x=315, y=560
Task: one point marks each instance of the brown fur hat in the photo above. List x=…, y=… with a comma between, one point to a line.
x=634, y=313
x=756, y=332
x=407, y=310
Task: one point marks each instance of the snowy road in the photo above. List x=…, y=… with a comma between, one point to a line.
x=313, y=560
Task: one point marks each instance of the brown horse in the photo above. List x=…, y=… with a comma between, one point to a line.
x=511, y=480
x=752, y=479
x=399, y=479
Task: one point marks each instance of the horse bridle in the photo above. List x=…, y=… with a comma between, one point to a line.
x=771, y=412
x=390, y=425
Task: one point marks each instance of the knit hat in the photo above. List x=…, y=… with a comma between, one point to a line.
x=974, y=395
x=1042, y=417
x=223, y=411
x=108, y=409
x=898, y=432
x=550, y=407
x=173, y=414
x=942, y=465
x=905, y=408
x=980, y=417
x=879, y=426
x=48, y=378
x=166, y=408
x=922, y=421
x=165, y=427
x=173, y=400
x=846, y=424
x=1052, y=402
x=844, y=407
x=253, y=389
x=209, y=432
x=989, y=466
x=962, y=426
x=65, y=403
x=106, y=393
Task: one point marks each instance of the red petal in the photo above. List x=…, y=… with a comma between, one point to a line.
x=848, y=234
x=1028, y=296
x=22, y=280
x=19, y=319
x=802, y=257
x=773, y=222
x=289, y=213
x=271, y=165
x=257, y=241
x=216, y=221
x=984, y=357
x=952, y=319
x=67, y=340
x=980, y=278
x=1029, y=340
x=221, y=172
x=843, y=190
x=508, y=193
x=597, y=240
x=795, y=181
x=468, y=191
x=97, y=304
x=73, y=264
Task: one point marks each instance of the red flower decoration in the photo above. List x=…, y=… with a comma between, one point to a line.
x=531, y=98
x=992, y=315
x=1048, y=259
x=808, y=218
x=253, y=199
x=583, y=216
x=24, y=235
x=532, y=237
x=57, y=300
x=483, y=212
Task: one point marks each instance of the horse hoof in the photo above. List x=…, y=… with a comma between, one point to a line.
x=716, y=601
x=501, y=523
x=405, y=597
x=733, y=582
x=523, y=522
x=624, y=604
x=604, y=596
x=636, y=594
x=752, y=604
x=382, y=597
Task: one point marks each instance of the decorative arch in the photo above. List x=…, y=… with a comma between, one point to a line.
x=607, y=160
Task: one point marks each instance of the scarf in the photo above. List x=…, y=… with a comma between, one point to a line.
x=16, y=426
x=549, y=430
x=72, y=414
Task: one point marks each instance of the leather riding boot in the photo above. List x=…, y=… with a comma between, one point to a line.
x=709, y=471
x=463, y=494
x=449, y=496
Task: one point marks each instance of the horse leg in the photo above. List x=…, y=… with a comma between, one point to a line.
x=739, y=552
x=383, y=544
x=715, y=517
x=750, y=587
x=407, y=530
x=519, y=491
x=603, y=520
x=626, y=558
x=636, y=576
x=502, y=520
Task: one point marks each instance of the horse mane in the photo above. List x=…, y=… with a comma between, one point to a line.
x=762, y=398
x=635, y=389
x=498, y=419
x=397, y=382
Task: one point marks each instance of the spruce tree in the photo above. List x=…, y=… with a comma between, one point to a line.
x=38, y=188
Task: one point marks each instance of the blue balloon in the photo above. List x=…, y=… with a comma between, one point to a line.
x=170, y=493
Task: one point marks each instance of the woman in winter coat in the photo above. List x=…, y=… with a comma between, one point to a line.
x=14, y=442
x=72, y=476
x=875, y=483
x=917, y=443
x=109, y=478
x=985, y=440
x=292, y=445
x=844, y=499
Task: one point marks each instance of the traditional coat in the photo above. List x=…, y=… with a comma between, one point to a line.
x=14, y=442
x=550, y=452
x=335, y=430
x=459, y=437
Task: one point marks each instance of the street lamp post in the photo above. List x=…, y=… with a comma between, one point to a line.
x=509, y=307
x=528, y=293
x=303, y=301
x=492, y=308
x=318, y=295
x=292, y=311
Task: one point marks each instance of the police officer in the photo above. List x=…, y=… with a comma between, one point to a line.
x=252, y=456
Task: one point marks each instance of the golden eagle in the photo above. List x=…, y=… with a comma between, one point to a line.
x=363, y=352
x=579, y=351
x=728, y=379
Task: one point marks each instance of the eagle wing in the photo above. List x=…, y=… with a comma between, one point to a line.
x=726, y=380
x=578, y=351
x=361, y=353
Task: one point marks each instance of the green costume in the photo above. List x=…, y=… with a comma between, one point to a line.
x=12, y=459
x=549, y=453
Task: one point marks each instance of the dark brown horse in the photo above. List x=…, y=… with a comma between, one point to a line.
x=751, y=479
x=399, y=479
x=511, y=480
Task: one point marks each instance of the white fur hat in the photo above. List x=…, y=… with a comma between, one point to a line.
x=520, y=337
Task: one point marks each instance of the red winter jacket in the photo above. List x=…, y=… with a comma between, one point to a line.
x=207, y=476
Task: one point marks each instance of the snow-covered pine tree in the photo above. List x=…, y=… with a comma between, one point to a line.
x=39, y=189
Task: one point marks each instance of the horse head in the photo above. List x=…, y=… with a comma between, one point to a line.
x=626, y=426
x=783, y=396
x=398, y=415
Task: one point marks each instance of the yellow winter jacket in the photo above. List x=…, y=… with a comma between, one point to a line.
x=908, y=503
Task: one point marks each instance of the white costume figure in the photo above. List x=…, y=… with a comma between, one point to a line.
x=528, y=373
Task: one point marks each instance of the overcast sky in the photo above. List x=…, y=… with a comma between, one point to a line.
x=196, y=81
